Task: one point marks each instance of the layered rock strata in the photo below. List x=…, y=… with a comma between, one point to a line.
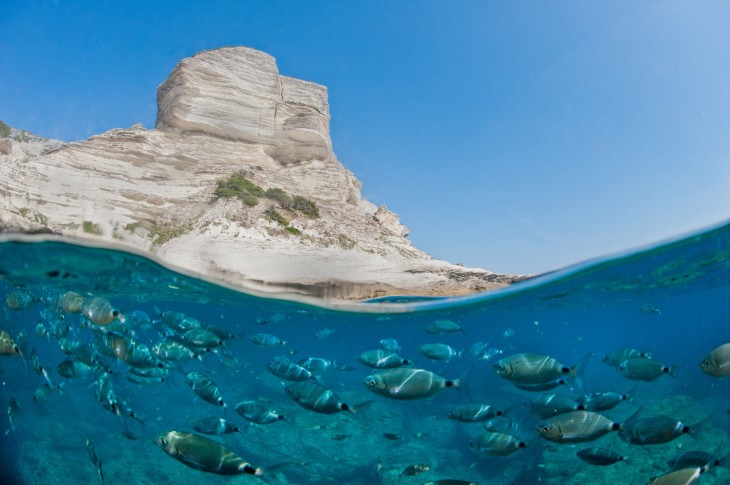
x=222, y=112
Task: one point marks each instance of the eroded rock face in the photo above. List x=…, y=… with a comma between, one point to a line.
x=238, y=94
x=390, y=222
x=221, y=112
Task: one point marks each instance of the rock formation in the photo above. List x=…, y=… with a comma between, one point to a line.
x=222, y=112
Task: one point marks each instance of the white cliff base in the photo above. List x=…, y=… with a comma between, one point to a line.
x=222, y=112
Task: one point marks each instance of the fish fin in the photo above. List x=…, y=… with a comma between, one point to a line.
x=101, y=472
x=702, y=424
x=278, y=467
x=723, y=462
x=442, y=369
x=578, y=371
x=630, y=394
x=672, y=371
x=463, y=383
x=138, y=419
x=631, y=419
x=365, y=404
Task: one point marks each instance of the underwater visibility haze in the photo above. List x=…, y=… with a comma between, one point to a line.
x=117, y=369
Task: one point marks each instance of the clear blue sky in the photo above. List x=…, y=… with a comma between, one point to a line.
x=517, y=136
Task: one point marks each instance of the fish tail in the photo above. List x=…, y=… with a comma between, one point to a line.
x=578, y=371
x=101, y=472
x=723, y=462
x=694, y=428
x=464, y=381
x=630, y=421
x=672, y=371
x=630, y=394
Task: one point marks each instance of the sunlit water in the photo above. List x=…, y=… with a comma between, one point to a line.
x=672, y=300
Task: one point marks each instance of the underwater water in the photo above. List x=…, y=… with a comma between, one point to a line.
x=671, y=301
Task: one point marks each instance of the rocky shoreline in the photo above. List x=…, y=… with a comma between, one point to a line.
x=224, y=112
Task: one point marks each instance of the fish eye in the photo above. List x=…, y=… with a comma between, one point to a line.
x=115, y=313
x=545, y=429
x=370, y=383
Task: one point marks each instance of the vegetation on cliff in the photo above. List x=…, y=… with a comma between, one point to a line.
x=237, y=185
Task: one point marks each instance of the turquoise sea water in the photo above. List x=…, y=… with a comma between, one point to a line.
x=671, y=300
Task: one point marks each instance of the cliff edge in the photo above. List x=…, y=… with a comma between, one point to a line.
x=226, y=115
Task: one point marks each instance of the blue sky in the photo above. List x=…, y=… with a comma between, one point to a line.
x=517, y=136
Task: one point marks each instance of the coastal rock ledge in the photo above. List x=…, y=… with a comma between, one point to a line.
x=223, y=112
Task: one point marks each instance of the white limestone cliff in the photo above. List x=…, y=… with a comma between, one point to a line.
x=221, y=112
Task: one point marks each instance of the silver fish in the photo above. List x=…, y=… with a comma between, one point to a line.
x=139, y=318
x=80, y=350
x=70, y=302
x=382, y=359
x=323, y=333
x=215, y=426
x=541, y=387
x=490, y=353
x=473, y=413
x=205, y=388
x=603, y=401
x=390, y=344
x=530, y=369
x=717, y=362
x=620, y=355
x=439, y=352
x=41, y=394
x=174, y=352
x=289, y=371
x=203, y=454
x=653, y=430
x=600, y=456
x=643, y=369
x=14, y=412
x=316, y=365
x=221, y=333
x=132, y=352
x=179, y=322
x=201, y=338
x=41, y=330
x=94, y=459
x=8, y=347
x=694, y=459
x=317, y=398
x=576, y=427
x=477, y=349
x=405, y=383
x=546, y=406
x=100, y=312
x=59, y=329
x=19, y=300
x=152, y=375
x=685, y=476
x=72, y=369
x=267, y=340
x=257, y=412
x=443, y=326
x=495, y=444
